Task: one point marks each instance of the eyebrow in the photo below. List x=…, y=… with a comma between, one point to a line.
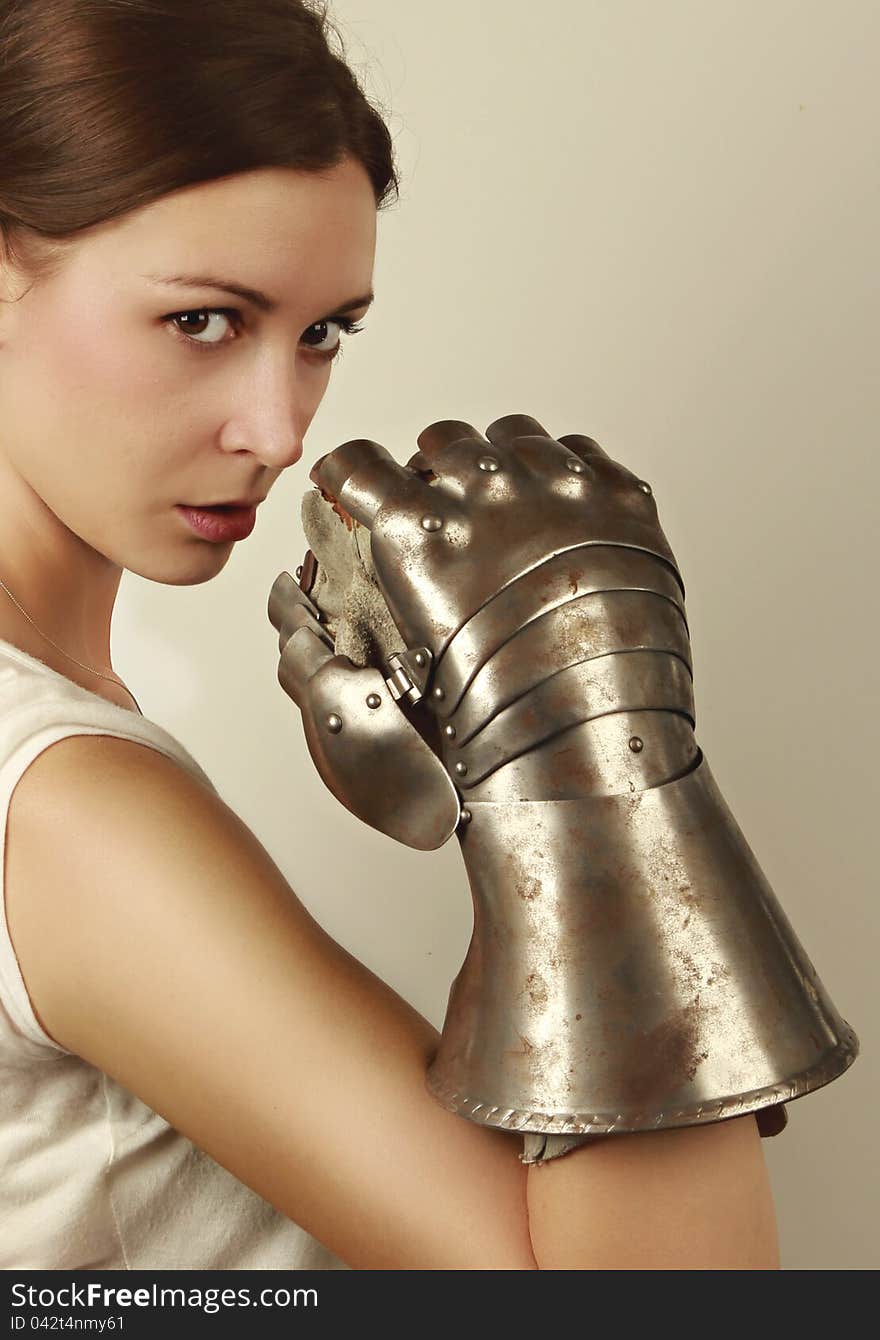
x=252, y=295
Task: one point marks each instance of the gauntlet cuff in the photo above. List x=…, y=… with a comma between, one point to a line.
x=630, y=969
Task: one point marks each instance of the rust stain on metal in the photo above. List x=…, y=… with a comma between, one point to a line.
x=340, y=511
x=529, y=887
x=650, y=1065
x=570, y=765
x=689, y=896
x=576, y=632
x=690, y=968
x=537, y=989
x=527, y=1047
x=526, y=885
x=604, y=912
x=720, y=972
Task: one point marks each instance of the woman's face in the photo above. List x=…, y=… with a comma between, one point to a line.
x=112, y=414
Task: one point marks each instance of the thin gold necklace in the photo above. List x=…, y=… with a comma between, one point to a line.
x=91, y=669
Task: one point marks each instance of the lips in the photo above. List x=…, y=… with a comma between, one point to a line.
x=220, y=523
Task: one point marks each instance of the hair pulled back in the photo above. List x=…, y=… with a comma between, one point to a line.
x=106, y=105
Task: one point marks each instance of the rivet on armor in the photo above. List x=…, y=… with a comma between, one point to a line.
x=576, y=467
x=487, y=463
x=334, y=723
x=373, y=700
x=461, y=769
x=419, y=658
x=465, y=817
x=438, y=692
x=636, y=745
x=449, y=732
x=646, y=488
x=431, y=523
x=299, y=572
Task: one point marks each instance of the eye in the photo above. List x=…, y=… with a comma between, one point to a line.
x=341, y=323
x=326, y=330
x=195, y=317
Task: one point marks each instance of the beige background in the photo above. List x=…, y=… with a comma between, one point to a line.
x=655, y=224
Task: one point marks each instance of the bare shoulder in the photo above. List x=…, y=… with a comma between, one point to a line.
x=159, y=941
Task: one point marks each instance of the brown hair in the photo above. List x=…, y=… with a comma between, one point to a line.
x=106, y=105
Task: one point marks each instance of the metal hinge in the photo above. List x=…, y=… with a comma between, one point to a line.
x=411, y=671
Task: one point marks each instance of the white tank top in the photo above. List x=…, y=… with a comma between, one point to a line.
x=90, y=1177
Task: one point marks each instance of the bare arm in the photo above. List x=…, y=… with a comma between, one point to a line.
x=137, y=896
x=694, y=1198
x=134, y=894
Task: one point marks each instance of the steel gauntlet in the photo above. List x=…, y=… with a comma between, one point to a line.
x=630, y=967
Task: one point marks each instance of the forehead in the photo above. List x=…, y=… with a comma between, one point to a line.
x=288, y=232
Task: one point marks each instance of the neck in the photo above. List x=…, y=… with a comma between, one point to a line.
x=65, y=589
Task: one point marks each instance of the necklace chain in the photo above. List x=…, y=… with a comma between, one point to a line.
x=81, y=664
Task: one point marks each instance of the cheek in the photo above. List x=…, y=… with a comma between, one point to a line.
x=318, y=384
x=96, y=363
x=94, y=413
x=106, y=392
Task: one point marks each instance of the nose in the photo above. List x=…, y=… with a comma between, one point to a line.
x=274, y=411
x=281, y=452
x=276, y=446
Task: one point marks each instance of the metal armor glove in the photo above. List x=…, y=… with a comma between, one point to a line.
x=630, y=967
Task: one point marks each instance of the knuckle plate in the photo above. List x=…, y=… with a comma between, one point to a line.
x=363, y=475
x=496, y=510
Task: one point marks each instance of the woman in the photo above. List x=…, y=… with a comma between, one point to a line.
x=194, y=1074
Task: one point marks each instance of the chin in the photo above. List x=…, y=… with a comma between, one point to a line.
x=192, y=570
